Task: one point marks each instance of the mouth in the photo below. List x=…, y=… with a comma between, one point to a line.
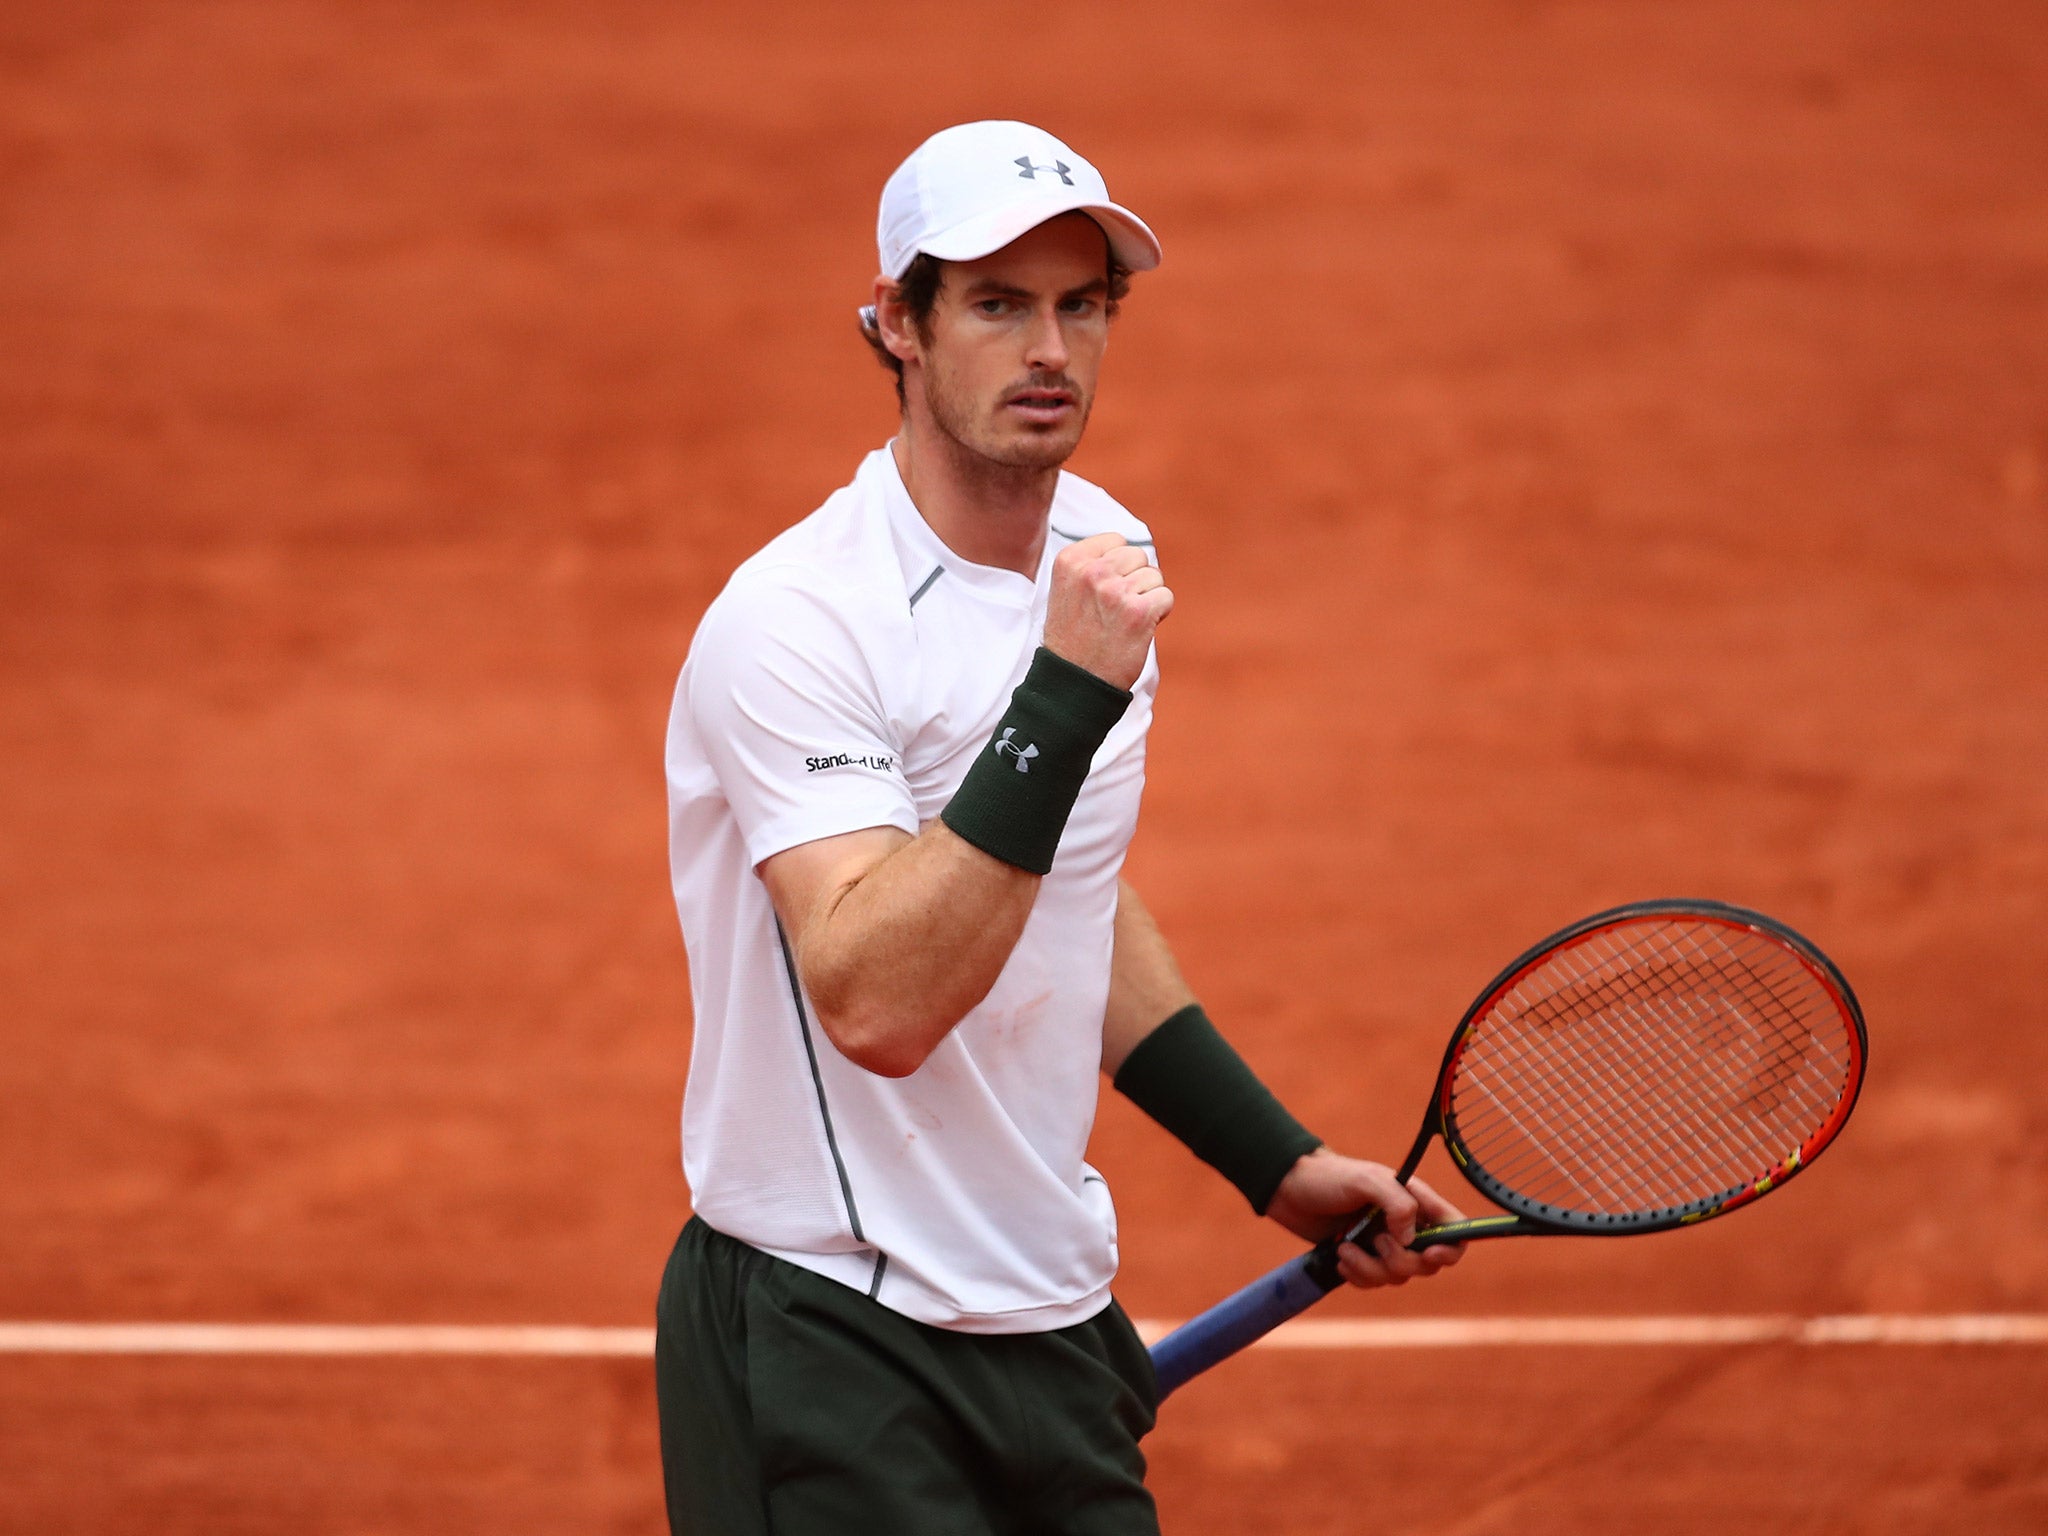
x=1042, y=406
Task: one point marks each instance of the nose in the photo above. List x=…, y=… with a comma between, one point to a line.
x=1046, y=349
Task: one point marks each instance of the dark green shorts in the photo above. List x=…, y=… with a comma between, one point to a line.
x=794, y=1405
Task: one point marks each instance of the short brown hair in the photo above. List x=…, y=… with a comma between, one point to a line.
x=919, y=287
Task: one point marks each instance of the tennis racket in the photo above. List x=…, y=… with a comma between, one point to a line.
x=1652, y=1066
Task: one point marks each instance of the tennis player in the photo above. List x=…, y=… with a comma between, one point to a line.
x=904, y=765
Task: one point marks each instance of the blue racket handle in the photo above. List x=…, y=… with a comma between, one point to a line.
x=1238, y=1320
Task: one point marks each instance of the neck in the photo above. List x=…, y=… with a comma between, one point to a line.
x=987, y=513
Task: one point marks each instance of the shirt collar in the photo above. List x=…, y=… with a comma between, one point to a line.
x=922, y=550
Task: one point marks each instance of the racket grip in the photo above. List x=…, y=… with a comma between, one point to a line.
x=1237, y=1321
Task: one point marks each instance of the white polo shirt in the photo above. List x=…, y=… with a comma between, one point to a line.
x=845, y=678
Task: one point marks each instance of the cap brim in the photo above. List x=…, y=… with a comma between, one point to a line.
x=1134, y=246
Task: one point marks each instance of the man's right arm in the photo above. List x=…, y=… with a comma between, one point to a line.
x=898, y=937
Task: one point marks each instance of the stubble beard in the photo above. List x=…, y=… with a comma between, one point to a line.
x=972, y=436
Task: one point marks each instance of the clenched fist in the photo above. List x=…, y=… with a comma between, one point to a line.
x=1106, y=600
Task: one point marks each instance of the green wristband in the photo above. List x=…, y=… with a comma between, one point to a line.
x=1016, y=798
x=1187, y=1077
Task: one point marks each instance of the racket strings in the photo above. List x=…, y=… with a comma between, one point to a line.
x=1797, y=1049
x=1573, y=1134
x=1798, y=1046
x=1666, y=1147
x=1573, y=1159
x=1654, y=1139
x=1795, y=1035
x=1555, y=1134
x=1650, y=1065
x=1641, y=1164
x=1716, y=1040
x=1661, y=1138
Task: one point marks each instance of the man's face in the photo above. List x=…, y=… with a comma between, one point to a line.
x=1015, y=344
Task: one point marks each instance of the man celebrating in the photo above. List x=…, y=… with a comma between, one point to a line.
x=904, y=765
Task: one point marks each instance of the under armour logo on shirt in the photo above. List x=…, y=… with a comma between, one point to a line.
x=1030, y=172
x=1023, y=754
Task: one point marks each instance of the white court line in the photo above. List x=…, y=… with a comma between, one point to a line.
x=332, y=1339
x=318, y=1339
x=1483, y=1332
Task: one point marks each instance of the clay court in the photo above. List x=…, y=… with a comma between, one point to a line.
x=1601, y=451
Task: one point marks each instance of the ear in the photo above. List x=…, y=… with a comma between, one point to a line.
x=893, y=322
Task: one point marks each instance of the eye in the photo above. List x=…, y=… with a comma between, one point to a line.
x=1079, y=306
x=993, y=307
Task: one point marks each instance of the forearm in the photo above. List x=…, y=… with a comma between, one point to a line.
x=1145, y=984
x=1163, y=1054
x=903, y=939
x=898, y=937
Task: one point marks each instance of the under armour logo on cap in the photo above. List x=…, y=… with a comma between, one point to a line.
x=1023, y=754
x=956, y=198
x=1030, y=172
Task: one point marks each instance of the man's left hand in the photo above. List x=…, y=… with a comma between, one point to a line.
x=1324, y=1192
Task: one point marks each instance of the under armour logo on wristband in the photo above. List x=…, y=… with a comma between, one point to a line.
x=1023, y=754
x=1030, y=172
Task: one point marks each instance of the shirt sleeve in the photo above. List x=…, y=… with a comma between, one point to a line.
x=786, y=705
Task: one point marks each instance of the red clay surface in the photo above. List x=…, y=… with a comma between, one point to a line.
x=1601, y=451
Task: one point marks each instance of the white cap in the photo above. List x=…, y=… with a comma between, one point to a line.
x=970, y=190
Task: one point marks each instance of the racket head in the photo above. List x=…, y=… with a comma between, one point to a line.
x=1651, y=1066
